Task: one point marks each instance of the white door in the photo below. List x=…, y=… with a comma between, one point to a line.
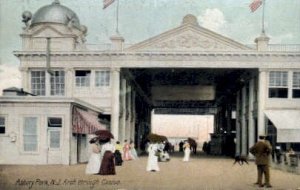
x=54, y=146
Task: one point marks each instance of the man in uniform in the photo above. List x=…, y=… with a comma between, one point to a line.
x=262, y=150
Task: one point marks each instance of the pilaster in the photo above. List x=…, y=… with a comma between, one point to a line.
x=25, y=78
x=69, y=81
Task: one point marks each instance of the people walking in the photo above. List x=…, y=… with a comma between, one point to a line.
x=181, y=146
x=187, y=151
x=262, y=150
x=126, y=149
x=132, y=150
x=94, y=160
x=107, y=154
x=152, y=164
x=118, y=155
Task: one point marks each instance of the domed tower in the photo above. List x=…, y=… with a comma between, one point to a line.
x=55, y=22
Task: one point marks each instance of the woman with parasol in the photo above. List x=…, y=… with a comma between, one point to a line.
x=94, y=161
x=153, y=152
x=187, y=151
x=107, y=166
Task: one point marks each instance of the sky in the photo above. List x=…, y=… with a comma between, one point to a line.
x=142, y=19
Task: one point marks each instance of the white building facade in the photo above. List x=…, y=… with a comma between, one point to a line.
x=124, y=86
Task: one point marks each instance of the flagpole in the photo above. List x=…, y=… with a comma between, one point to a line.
x=117, y=27
x=263, y=18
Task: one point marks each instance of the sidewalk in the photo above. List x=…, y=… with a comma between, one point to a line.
x=202, y=172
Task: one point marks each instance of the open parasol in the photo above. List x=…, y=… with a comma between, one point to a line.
x=192, y=142
x=154, y=138
x=104, y=135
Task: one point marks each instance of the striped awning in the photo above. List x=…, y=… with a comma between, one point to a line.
x=287, y=123
x=84, y=122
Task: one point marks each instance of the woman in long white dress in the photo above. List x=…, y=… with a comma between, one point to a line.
x=187, y=151
x=152, y=164
x=132, y=151
x=94, y=161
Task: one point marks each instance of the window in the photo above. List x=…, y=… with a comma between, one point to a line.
x=38, y=83
x=296, y=84
x=30, y=137
x=102, y=78
x=57, y=81
x=2, y=125
x=54, y=139
x=54, y=122
x=278, y=84
x=82, y=78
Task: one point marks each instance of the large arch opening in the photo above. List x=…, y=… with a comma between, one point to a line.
x=202, y=92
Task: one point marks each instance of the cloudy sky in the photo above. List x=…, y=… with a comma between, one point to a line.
x=141, y=19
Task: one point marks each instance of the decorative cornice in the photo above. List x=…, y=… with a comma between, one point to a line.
x=48, y=100
x=125, y=59
x=154, y=53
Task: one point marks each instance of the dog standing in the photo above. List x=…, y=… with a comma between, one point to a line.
x=240, y=160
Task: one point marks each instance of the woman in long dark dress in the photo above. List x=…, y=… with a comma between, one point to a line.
x=107, y=165
x=118, y=155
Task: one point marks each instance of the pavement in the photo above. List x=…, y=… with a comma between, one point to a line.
x=200, y=173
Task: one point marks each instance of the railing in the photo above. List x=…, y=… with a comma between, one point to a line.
x=102, y=47
x=278, y=47
x=284, y=47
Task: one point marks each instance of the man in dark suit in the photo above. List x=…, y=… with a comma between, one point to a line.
x=262, y=150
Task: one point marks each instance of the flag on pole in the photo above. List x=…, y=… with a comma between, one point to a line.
x=106, y=3
x=255, y=5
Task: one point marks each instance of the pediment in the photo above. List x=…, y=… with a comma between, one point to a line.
x=47, y=31
x=189, y=37
x=43, y=31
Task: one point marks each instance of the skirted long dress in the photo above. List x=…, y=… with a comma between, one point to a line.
x=133, y=152
x=107, y=165
x=94, y=160
x=126, y=154
x=187, y=152
x=118, y=155
x=152, y=164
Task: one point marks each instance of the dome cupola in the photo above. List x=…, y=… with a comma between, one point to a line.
x=56, y=13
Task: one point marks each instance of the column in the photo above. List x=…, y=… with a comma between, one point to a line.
x=133, y=115
x=115, y=102
x=128, y=113
x=122, y=118
x=244, y=124
x=251, y=130
x=262, y=93
x=238, y=129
